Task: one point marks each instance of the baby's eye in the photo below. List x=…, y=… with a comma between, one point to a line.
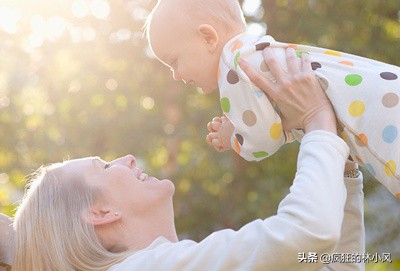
x=107, y=165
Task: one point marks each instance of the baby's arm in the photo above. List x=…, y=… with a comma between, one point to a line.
x=220, y=132
x=258, y=129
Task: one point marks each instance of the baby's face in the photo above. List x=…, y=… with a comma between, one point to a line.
x=182, y=49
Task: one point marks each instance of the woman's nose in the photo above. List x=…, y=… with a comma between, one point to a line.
x=128, y=160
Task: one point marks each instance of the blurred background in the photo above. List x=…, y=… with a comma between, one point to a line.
x=77, y=79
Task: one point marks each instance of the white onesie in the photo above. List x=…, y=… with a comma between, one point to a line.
x=364, y=94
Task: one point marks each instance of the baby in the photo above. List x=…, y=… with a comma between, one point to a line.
x=201, y=41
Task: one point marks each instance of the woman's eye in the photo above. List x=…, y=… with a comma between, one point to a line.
x=106, y=166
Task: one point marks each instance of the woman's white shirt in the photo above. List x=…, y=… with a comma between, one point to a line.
x=308, y=220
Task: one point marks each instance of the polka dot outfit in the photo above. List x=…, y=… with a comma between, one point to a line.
x=364, y=93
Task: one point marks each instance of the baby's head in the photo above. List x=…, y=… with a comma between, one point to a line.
x=189, y=35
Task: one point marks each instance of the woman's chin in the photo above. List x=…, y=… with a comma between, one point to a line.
x=169, y=184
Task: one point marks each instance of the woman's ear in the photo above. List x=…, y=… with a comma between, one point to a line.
x=209, y=35
x=98, y=217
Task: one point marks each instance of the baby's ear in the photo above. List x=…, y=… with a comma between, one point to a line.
x=209, y=35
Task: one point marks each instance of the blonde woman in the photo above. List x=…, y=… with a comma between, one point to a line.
x=87, y=214
x=7, y=235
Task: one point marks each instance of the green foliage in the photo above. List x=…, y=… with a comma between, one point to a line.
x=89, y=87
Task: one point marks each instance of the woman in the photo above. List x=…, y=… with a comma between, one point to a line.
x=87, y=214
x=6, y=242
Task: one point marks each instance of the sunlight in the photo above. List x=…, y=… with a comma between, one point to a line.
x=80, y=9
x=51, y=29
x=251, y=7
x=111, y=84
x=257, y=28
x=36, y=24
x=55, y=27
x=147, y=102
x=8, y=19
x=4, y=101
x=100, y=9
x=3, y=178
x=121, y=35
x=88, y=33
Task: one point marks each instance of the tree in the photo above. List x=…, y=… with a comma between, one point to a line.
x=77, y=79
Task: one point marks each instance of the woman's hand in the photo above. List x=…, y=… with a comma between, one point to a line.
x=298, y=94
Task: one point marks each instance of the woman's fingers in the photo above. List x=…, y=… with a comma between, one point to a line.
x=292, y=61
x=259, y=80
x=273, y=64
x=306, y=63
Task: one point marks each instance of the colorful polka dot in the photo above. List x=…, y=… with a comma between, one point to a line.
x=347, y=63
x=353, y=79
x=262, y=46
x=389, y=134
x=350, y=158
x=315, y=65
x=358, y=160
x=235, y=59
x=390, y=100
x=361, y=140
x=232, y=77
x=370, y=169
x=398, y=195
x=390, y=168
x=258, y=93
x=344, y=137
x=356, y=109
x=236, y=45
x=294, y=46
x=225, y=104
x=388, y=76
x=260, y=154
x=332, y=53
x=239, y=138
x=236, y=146
x=299, y=53
x=275, y=131
x=249, y=118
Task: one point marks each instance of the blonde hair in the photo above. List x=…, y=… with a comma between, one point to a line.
x=51, y=231
x=225, y=12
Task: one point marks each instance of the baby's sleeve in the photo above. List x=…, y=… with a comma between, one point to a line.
x=258, y=131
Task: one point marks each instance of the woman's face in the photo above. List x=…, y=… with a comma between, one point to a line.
x=123, y=186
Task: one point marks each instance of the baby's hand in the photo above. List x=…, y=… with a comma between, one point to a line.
x=220, y=131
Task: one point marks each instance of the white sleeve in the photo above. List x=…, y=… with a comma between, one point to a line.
x=309, y=219
x=7, y=235
x=352, y=240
